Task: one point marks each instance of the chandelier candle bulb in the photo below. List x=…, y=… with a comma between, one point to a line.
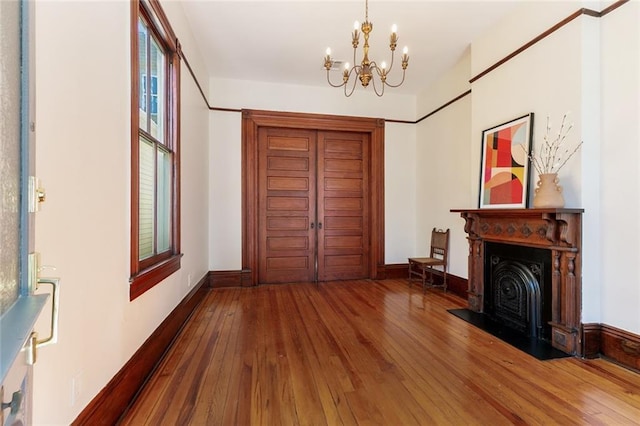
x=355, y=37
x=393, y=39
x=328, y=63
x=405, y=58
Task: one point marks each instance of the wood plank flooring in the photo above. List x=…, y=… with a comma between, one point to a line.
x=368, y=353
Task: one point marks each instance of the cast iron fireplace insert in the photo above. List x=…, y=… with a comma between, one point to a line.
x=518, y=288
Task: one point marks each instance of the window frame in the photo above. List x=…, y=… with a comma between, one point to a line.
x=150, y=271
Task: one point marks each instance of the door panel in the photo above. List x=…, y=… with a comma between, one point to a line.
x=286, y=182
x=343, y=176
x=344, y=204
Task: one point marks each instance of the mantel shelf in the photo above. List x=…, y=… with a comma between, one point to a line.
x=519, y=212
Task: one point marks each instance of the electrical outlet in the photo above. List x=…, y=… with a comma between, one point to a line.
x=189, y=280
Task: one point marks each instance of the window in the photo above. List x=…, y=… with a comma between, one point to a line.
x=155, y=220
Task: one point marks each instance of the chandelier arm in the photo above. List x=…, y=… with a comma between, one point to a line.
x=353, y=86
x=396, y=85
x=382, y=76
x=375, y=66
x=355, y=63
x=334, y=85
x=354, y=69
x=375, y=88
x=378, y=70
x=391, y=64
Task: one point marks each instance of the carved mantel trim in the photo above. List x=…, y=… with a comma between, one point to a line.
x=558, y=230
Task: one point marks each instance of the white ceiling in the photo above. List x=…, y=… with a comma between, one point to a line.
x=285, y=41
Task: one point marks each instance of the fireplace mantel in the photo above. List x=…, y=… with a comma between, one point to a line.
x=558, y=230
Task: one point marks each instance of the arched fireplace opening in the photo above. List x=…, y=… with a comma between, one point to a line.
x=518, y=288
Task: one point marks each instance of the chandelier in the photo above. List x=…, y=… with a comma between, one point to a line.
x=367, y=71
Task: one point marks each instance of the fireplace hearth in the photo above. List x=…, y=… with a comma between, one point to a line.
x=525, y=271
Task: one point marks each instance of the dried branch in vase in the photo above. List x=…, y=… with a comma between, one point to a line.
x=554, y=154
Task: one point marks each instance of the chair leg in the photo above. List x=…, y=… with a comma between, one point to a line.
x=410, y=275
x=445, y=279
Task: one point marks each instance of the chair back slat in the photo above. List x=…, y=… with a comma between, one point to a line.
x=439, y=243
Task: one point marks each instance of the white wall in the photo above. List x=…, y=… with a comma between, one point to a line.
x=225, y=203
x=225, y=199
x=83, y=158
x=443, y=164
x=620, y=151
x=399, y=192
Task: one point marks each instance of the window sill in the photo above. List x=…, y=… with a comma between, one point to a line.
x=153, y=275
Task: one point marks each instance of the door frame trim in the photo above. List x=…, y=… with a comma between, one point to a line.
x=251, y=121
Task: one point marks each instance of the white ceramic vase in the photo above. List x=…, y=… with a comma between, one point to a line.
x=548, y=194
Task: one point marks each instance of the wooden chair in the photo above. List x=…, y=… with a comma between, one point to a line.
x=438, y=257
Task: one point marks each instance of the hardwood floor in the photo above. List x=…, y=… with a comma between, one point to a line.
x=366, y=352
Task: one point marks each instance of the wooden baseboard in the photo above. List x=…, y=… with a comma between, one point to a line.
x=591, y=338
x=396, y=271
x=114, y=399
x=241, y=278
x=455, y=284
x=620, y=346
x=219, y=279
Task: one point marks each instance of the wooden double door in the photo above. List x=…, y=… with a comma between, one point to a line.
x=313, y=209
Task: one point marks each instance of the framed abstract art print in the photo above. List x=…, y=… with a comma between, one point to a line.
x=504, y=173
